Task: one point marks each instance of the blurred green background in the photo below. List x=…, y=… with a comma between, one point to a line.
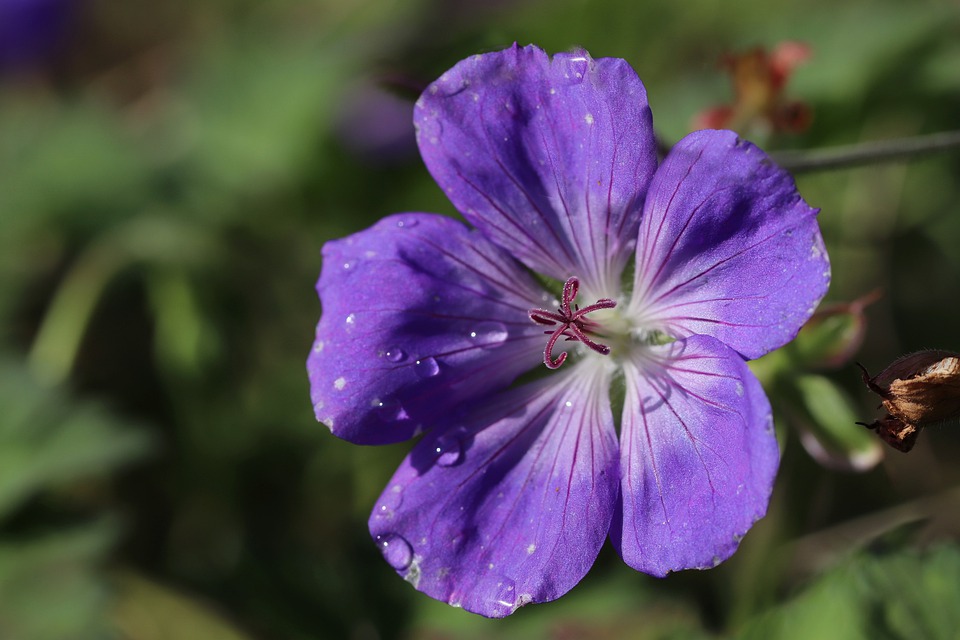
x=168, y=174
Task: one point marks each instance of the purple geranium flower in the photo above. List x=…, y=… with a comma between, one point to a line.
x=668, y=279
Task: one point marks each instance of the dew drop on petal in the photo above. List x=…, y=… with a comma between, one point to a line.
x=406, y=224
x=506, y=594
x=448, y=449
x=389, y=410
x=426, y=367
x=394, y=354
x=396, y=551
x=488, y=334
x=390, y=501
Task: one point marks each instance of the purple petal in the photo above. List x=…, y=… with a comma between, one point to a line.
x=512, y=505
x=549, y=158
x=698, y=457
x=420, y=314
x=727, y=247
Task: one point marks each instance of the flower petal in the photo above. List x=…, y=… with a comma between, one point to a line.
x=549, y=158
x=419, y=315
x=513, y=505
x=727, y=247
x=698, y=457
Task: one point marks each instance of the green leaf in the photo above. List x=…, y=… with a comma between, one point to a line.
x=49, y=586
x=46, y=439
x=910, y=594
x=830, y=608
x=827, y=418
x=146, y=610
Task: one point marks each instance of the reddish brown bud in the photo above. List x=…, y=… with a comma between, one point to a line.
x=759, y=81
x=917, y=390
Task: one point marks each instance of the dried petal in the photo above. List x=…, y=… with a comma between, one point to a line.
x=918, y=390
x=897, y=434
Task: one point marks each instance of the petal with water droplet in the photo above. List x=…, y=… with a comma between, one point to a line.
x=403, y=358
x=506, y=136
x=525, y=510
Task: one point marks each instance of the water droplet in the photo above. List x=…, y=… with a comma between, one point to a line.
x=340, y=383
x=351, y=320
x=394, y=354
x=426, y=367
x=396, y=551
x=489, y=334
x=578, y=67
x=406, y=224
x=318, y=346
x=390, y=501
x=390, y=410
x=506, y=594
x=346, y=265
x=448, y=449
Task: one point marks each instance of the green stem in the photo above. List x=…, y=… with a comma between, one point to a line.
x=865, y=153
x=150, y=239
x=55, y=348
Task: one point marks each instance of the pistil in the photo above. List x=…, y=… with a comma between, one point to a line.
x=571, y=323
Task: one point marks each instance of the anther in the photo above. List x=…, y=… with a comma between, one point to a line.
x=572, y=323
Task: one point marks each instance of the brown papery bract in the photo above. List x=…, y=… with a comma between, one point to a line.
x=917, y=390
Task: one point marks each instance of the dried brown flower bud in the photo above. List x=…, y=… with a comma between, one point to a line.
x=917, y=390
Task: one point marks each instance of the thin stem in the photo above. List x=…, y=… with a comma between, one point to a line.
x=865, y=153
x=58, y=339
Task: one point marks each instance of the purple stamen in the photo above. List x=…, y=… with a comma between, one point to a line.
x=572, y=321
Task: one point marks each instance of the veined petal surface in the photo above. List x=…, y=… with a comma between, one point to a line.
x=420, y=314
x=550, y=158
x=698, y=456
x=727, y=247
x=511, y=505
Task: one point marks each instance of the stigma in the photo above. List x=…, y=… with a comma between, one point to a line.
x=571, y=323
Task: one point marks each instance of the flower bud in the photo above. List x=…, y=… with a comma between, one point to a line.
x=917, y=390
x=832, y=336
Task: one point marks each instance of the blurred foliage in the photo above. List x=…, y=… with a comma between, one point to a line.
x=168, y=174
x=55, y=458
x=901, y=595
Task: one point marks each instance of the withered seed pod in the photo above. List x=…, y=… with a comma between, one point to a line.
x=919, y=389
